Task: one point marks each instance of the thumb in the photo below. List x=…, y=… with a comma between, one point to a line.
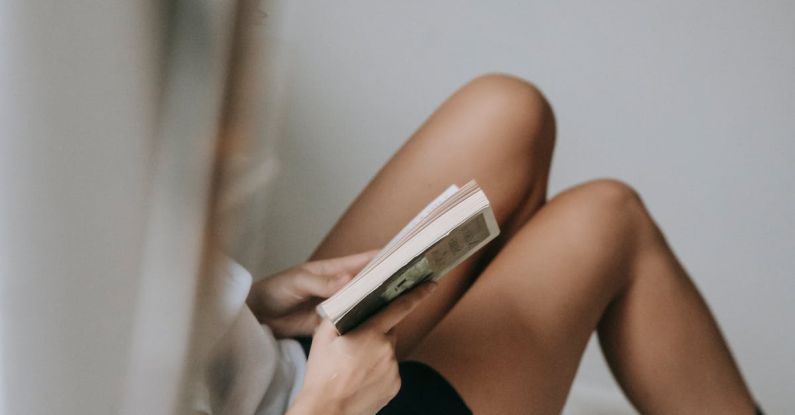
x=395, y=312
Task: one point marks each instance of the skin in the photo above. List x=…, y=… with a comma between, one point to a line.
x=508, y=327
x=286, y=301
x=355, y=374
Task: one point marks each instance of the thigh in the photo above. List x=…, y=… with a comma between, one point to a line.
x=497, y=130
x=513, y=343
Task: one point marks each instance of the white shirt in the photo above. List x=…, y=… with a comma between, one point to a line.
x=248, y=370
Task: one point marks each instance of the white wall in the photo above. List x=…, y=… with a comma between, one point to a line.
x=692, y=102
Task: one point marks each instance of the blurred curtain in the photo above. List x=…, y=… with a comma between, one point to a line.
x=122, y=157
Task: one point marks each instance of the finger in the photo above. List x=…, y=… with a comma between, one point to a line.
x=298, y=323
x=308, y=284
x=392, y=337
x=396, y=311
x=350, y=264
x=325, y=332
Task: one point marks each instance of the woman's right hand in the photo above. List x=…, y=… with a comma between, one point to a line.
x=356, y=373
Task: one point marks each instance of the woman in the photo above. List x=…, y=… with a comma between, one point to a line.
x=504, y=332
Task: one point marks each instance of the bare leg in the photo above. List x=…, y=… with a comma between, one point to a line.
x=591, y=257
x=513, y=343
x=497, y=130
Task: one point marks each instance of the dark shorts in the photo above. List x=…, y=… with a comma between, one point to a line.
x=422, y=391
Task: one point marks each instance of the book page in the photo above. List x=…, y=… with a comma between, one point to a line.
x=416, y=220
x=422, y=215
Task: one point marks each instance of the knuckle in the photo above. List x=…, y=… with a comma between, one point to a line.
x=395, y=386
x=328, y=282
x=392, y=338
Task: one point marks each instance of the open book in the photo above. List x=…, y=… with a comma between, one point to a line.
x=450, y=229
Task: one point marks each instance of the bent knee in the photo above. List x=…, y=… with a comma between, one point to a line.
x=609, y=194
x=606, y=209
x=514, y=103
x=504, y=89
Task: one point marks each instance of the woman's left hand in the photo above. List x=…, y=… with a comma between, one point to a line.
x=286, y=301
